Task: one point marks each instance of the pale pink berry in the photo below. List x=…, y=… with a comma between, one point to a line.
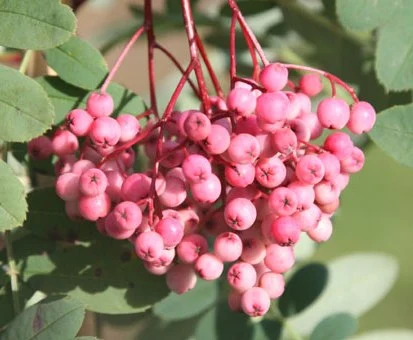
x=305, y=194
x=190, y=219
x=310, y=169
x=362, y=118
x=274, y=77
x=284, y=140
x=311, y=84
x=93, y=207
x=240, y=214
x=181, y=278
x=149, y=246
x=197, y=126
x=209, y=267
x=122, y=222
x=191, y=247
x=93, y=182
x=333, y=113
x=341, y=181
x=64, y=143
x=156, y=269
x=255, y=301
x=207, y=191
x=129, y=127
x=176, y=172
x=240, y=175
x=79, y=122
x=326, y=192
x=241, y=101
x=339, y=144
x=253, y=250
x=114, y=188
x=234, y=300
x=166, y=258
x=241, y=276
x=279, y=259
x=82, y=165
x=273, y=283
x=301, y=130
x=196, y=168
x=99, y=104
x=105, y=132
x=300, y=104
x=323, y=230
x=266, y=145
x=283, y=201
x=171, y=231
x=67, y=186
x=136, y=187
x=272, y=107
x=354, y=162
x=40, y=147
x=269, y=127
x=270, y=172
x=311, y=121
x=218, y=140
x=331, y=207
x=247, y=125
x=249, y=192
x=285, y=230
x=174, y=194
x=331, y=165
x=228, y=247
x=244, y=148
x=308, y=219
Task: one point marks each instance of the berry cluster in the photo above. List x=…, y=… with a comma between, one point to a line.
x=247, y=177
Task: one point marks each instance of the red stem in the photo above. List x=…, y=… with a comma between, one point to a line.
x=121, y=57
x=232, y=52
x=251, y=83
x=255, y=64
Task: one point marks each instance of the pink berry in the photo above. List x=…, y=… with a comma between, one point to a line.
x=171, y=231
x=149, y=246
x=241, y=276
x=311, y=84
x=362, y=118
x=174, y=194
x=283, y=201
x=339, y=144
x=228, y=247
x=270, y=172
x=105, y=132
x=326, y=192
x=301, y=130
x=197, y=126
x=64, y=143
x=209, y=267
x=247, y=125
x=311, y=120
x=285, y=231
x=308, y=219
x=323, y=230
x=305, y=194
x=79, y=122
x=272, y=107
x=67, y=186
x=196, y=168
x=284, y=140
x=123, y=220
x=181, y=278
x=273, y=283
x=331, y=165
x=353, y=163
x=255, y=301
x=93, y=207
x=136, y=187
x=40, y=148
x=93, y=182
x=241, y=101
x=207, y=191
x=156, y=269
x=218, y=140
x=310, y=169
x=274, y=77
x=244, y=148
x=240, y=214
x=300, y=104
x=166, y=258
x=253, y=250
x=279, y=259
x=266, y=145
x=129, y=127
x=240, y=175
x=99, y=104
x=82, y=165
x=333, y=113
x=191, y=247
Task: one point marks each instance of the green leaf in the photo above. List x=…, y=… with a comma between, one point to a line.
x=35, y=24
x=304, y=287
x=66, y=97
x=59, y=319
x=191, y=303
x=25, y=110
x=78, y=63
x=393, y=133
x=337, y=326
x=366, y=14
x=394, y=53
x=349, y=288
x=13, y=204
x=105, y=276
x=386, y=334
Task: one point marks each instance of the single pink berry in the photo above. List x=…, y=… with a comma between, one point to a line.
x=270, y=172
x=266, y=145
x=285, y=231
x=241, y=276
x=308, y=219
x=353, y=163
x=171, y=231
x=339, y=144
x=129, y=127
x=247, y=125
x=362, y=118
x=333, y=113
x=253, y=250
x=255, y=301
x=197, y=126
x=331, y=165
x=114, y=188
x=105, y=132
x=279, y=259
x=326, y=192
x=283, y=201
x=136, y=187
x=190, y=220
x=330, y=208
x=311, y=121
x=64, y=143
x=274, y=77
x=209, y=267
x=305, y=194
x=67, y=186
x=174, y=194
x=244, y=148
x=181, y=278
x=79, y=122
x=323, y=231
x=249, y=192
x=123, y=220
x=176, y=172
x=301, y=129
x=156, y=269
x=272, y=107
x=40, y=147
x=196, y=168
x=82, y=165
x=166, y=258
x=228, y=247
x=240, y=175
x=273, y=283
x=218, y=140
x=300, y=104
x=311, y=84
x=241, y=101
x=149, y=246
x=93, y=182
x=240, y=214
x=191, y=247
x=99, y=104
x=93, y=207
x=310, y=169
x=342, y=180
x=207, y=191
x=284, y=140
